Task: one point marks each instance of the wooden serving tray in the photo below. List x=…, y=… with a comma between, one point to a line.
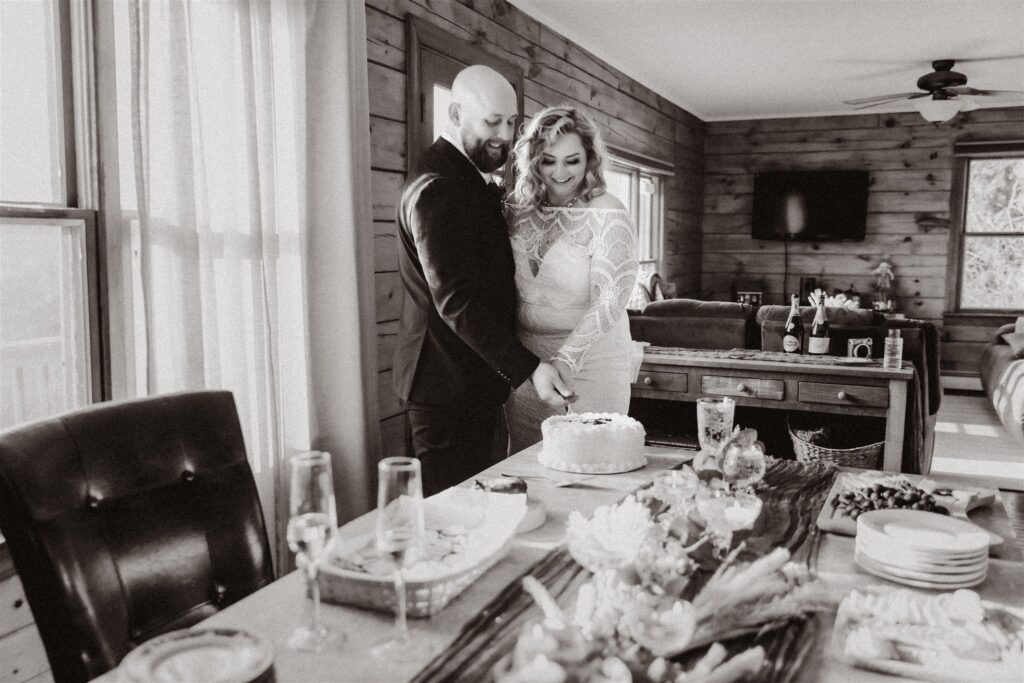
x=986, y=510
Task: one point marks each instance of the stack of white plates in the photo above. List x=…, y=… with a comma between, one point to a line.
x=922, y=549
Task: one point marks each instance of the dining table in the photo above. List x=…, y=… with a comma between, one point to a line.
x=472, y=619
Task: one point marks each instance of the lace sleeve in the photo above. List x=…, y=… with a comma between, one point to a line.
x=613, y=268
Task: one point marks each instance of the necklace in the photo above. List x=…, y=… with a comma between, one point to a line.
x=567, y=205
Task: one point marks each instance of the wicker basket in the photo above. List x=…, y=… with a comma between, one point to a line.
x=867, y=457
x=377, y=592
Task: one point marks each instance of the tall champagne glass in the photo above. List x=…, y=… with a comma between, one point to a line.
x=400, y=539
x=311, y=529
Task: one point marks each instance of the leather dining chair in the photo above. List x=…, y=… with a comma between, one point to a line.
x=130, y=519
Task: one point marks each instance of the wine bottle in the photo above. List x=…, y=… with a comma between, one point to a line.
x=793, y=336
x=817, y=341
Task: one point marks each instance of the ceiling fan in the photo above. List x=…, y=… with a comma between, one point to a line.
x=947, y=92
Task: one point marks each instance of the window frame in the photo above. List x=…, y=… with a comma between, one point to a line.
x=62, y=46
x=963, y=154
x=639, y=166
x=77, y=83
x=92, y=277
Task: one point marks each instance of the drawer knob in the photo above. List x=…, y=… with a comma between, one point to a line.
x=648, y=381
x=841, y=395
x=741, y=387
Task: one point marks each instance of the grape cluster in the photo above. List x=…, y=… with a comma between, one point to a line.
x=905, y=496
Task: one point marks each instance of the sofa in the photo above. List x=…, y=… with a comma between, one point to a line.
x=689, y=323
x=1002, y=378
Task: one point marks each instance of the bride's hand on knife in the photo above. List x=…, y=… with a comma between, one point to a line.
x=565, y=373
x=549, y=385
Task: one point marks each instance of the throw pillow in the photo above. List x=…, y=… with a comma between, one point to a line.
x=1016, y=342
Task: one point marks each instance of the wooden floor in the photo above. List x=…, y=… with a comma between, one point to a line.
x=971, y=443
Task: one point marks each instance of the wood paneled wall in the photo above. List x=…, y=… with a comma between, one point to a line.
x=911, y=163
x=557, y=71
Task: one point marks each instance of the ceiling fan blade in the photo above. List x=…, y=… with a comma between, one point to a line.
x=894, y=99
x=993, y=58
x=878, y=104
x=967, y=104
x=967, y=90
x=884, y=98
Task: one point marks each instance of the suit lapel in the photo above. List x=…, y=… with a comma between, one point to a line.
x=456, y=163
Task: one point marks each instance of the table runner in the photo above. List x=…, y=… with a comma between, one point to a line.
x=792, y=493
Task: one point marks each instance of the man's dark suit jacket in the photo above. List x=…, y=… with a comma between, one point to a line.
x=457, y=340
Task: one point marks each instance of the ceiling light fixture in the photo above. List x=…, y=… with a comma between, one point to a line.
x=938, y=110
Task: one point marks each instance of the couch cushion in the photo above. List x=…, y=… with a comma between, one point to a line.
x=836, y=316
x=690, y=332
x=676, y=308
x=693, y=324
x=1016, y=342
x=1002, y=377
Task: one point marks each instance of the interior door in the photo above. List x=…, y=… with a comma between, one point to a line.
x=437, y=73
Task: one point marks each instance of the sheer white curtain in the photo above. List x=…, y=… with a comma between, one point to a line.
x=240, y=220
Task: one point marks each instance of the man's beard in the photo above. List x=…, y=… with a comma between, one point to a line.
x=482, y=156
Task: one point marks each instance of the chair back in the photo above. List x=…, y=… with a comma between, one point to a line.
x=130, y=519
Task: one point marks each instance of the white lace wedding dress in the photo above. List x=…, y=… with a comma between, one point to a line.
x=575, y=271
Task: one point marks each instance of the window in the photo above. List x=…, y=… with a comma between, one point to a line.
x=639, y=183
x=50, y=351
x=988, y=246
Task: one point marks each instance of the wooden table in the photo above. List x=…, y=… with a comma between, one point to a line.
x=275, y=610
x=826, y=387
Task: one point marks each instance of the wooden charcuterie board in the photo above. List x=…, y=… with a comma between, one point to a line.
x=978, y=509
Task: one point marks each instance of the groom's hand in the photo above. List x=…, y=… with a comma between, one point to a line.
x=550, y=386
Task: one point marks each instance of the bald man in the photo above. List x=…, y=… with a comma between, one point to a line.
x=458, y=355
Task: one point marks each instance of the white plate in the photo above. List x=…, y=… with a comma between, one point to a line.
x=919, y=584
x=893, y=552
x=918, y=565
x=925, y=532
x=216, y=655
x=904, y=573
x=854, y=360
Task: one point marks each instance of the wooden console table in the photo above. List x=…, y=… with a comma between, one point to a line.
x=765, y=380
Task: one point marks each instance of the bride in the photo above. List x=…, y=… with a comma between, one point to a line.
x=576, y=266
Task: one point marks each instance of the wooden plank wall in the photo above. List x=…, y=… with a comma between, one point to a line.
x=557, y=71
x=911, y=163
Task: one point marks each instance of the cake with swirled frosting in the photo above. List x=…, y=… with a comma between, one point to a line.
x=592, y=443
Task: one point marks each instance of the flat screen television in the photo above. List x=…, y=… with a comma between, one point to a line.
x=812, y=206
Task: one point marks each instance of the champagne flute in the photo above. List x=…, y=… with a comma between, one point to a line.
x=311, y=530
x=400, y=533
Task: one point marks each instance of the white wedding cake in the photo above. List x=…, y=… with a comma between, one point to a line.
x=592, y=443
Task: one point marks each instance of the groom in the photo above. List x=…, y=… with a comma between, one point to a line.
x=458, y=356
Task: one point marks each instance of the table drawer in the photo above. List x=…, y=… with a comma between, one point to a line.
x=843, y=394
x=676, y=382
x=750, y=387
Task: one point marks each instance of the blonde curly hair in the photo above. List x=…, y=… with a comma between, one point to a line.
x=546, y=127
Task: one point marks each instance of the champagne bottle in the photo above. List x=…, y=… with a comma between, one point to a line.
x=817, y=341
x=793, y=336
